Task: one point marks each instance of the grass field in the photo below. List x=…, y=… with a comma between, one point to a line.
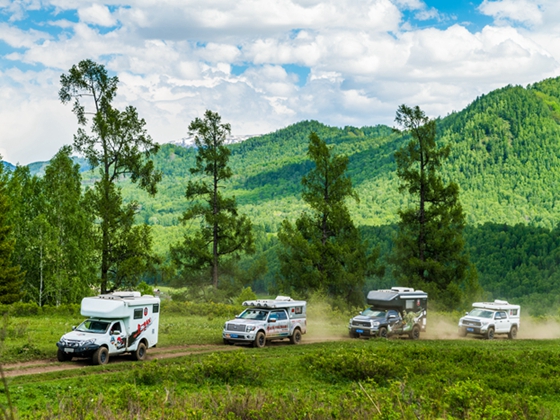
x=341, y=378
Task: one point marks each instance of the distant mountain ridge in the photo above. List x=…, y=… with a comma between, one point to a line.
x=505, y=156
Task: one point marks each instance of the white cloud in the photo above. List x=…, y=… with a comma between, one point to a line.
x=174, y=59
x=97, y=14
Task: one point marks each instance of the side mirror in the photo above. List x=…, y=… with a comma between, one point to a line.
x=73, y=327
x=272, y=320
x=116, y=332
x=466, y=313
x=392, y=316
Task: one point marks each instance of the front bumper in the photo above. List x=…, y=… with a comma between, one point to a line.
x=363, y=331
x=240, y=337
x=78, y=351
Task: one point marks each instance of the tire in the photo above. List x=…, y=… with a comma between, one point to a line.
x=140, y=353
x=462, y=332
x=63, y=356
x=260, y=340
x=353, y=334
x=101, y=356
x=382, y=332
x=296, y=337
x=228, y=342
x=513, y=332
x=415, y=333
x=490, y=333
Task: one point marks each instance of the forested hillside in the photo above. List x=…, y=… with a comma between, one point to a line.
x=505, y=156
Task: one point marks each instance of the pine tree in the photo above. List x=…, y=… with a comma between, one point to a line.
x=119, y=146
x=223, y=234
x=323, y=251
x=11, y=278
x=429, y=249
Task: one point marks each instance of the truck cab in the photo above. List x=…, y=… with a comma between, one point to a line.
x=487, y=319
x=267, y=320
x=117, y=323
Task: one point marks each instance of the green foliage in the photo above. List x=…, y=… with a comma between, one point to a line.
x=429, y=248
x=324, y=251
x=223, y=234
x=246, y=294
x=11, y=278
x=119, y=146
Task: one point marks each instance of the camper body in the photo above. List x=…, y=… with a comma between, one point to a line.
x=392, y=312
x=487, y=319
x=120, y=322
x=267, y=320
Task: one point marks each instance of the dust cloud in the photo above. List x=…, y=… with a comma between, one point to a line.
x=539, y=329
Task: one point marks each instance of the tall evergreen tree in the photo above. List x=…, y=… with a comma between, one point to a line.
x=429, y=249
x=323, y=250
x=119, y=146
x=224, y=234
x=11, y=278
x=73, y=255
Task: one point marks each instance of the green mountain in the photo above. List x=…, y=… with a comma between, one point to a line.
x=505, y=156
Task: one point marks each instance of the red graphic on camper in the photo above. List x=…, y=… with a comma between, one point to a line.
x=118, y=342
x=139, y=330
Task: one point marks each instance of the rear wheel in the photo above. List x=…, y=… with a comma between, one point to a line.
x=260, y=340
x=490, y=333
x=415, y=333
x=513, y=332
x=101, y=356
x=296, y=336
x=140, y=353
x=62, y=356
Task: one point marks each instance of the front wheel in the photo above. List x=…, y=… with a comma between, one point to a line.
x=462, y=332
x=490, y=333
x=296, y=337
x=513, y=332
x=62, y=356
x=415, y=333
x=382, y=332
x=101, y=356
x=260, y=340
x=140, y=353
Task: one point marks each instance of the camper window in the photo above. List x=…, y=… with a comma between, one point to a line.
x=138, y=313
x=156, y=308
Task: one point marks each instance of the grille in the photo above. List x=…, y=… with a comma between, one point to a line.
x=472, y=323
x=361, y=324
x=72, y=343
x=235, y=327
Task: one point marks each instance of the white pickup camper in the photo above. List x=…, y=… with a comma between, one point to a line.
x=119, y=322
x=487, y=319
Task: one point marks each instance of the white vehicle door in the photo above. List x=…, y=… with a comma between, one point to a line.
x=501, y=322
x=117, y=338
x=277, y=324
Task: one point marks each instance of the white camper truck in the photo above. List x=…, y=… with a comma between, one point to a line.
x=487, y=319
x=267, y=320
x=119, y=322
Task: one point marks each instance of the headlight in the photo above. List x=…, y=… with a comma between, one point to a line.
x=250, y=328
x=375, y=324
x=86, y=342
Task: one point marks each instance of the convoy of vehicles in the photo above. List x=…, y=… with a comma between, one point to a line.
x=267, y=320
x=126, y=322
x=119, y=322
x=487, y=319
x=393, y=312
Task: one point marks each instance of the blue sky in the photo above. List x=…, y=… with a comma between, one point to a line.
x=341, y=62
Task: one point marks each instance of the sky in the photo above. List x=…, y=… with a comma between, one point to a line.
x=264, y=64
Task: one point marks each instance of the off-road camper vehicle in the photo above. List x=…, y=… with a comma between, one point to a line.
x=119, y=322
x=392, y=312
x=487, y=319
x=266, y=320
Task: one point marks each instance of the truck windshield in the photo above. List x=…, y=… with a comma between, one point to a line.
x=257, y=314
x=481, y=313
x=93, y=326
x=374, y=313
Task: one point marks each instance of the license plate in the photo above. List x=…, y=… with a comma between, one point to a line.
x=69, y=350
x=234, y=336
x=470, y=329
x=359, y=331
